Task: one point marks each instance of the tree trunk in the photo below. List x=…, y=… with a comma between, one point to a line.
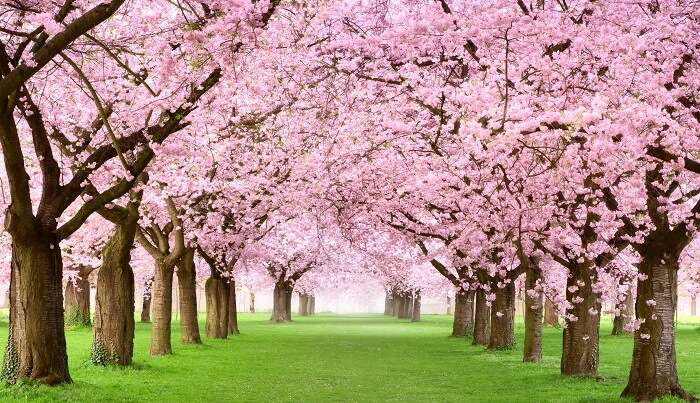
x=653, y=373
x=303, y=304
x=113, y=332
x=312, y=304
x=77, y=299
x=582, y=322
x=502, y=335
x=252, y=303
x=415, y=314
x=693, y=305
x=534, y=307
x=280, y=313
x=550, y=314
x=395, y=303
x=146, y=301
x=463, y=322
x=232, y=309
x=187, y=287
x=481, y=319
x=36, y=347
x=622, y=321
x=388, y=304
x=162, y=300
x=217, y=291
x=449, y=306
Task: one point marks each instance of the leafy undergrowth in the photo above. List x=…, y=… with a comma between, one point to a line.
x=360, y=358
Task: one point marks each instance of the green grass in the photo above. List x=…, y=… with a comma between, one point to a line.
x=360, y=358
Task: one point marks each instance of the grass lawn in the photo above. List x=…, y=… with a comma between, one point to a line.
x=360, y=358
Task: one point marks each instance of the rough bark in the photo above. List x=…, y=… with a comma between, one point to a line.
x=312, y=304
x=280, y=298
x=146, y=301
x=395, y=303
x=534, y=307
x=252, y=303
x=162, y=307
x=113, y=331
x=581, y=336
x=217, y=292
x=388, y=304
x=77, y=299
x=463, y=322
x=187, y=287
x=415, y=313
x=653, y=373
x=481, y=319
x=621, y=322
x=303, y=304
x=36, y=348
x=233, y=309
x=550, y=314
x=502, y=335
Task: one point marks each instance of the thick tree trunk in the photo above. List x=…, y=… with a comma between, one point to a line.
x=113, y=331
x=550, y=314
x=395, y=303
x=463, y=322
x=162, y=301
x=622, y=321
x=146, y=301
x=581, y=333
x=36, y=347
x=534, y=307
x=312, y=304
x=217, y=291
x=303, y=304
x=233, y=309
x=502, y=335
x=481, y=319
x=449, y=306
x=187, y=287
x=77, y=299
x=252, y=303
x=415, y=313
x=653, y=373
x=280, y=299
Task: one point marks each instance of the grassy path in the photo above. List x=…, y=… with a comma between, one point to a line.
x=366, y=358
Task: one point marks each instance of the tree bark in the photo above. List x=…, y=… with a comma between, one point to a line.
x=388, y=304
x=162, y=301
x=395, y=303
x=693, y=305
x=281, y=297
x=653, y=373
x=187, y=287
x=415, y=314
x=502, y=335
x=36, y=347
x=621, y=322
x=312, y=304
x=449, y=306
x=113, y=332
x=534, y=307
x=463, y=322
x=252, y=303
x=581, y=333
x=232, y=308
x=77, y=299
x=303, y=304
x=217, y=291
x=146, y=301
x=550, y=314
x=481, y=319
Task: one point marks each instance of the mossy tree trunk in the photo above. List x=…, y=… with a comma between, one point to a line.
x=113, y=331
x=77, y=298
x=187, y=287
